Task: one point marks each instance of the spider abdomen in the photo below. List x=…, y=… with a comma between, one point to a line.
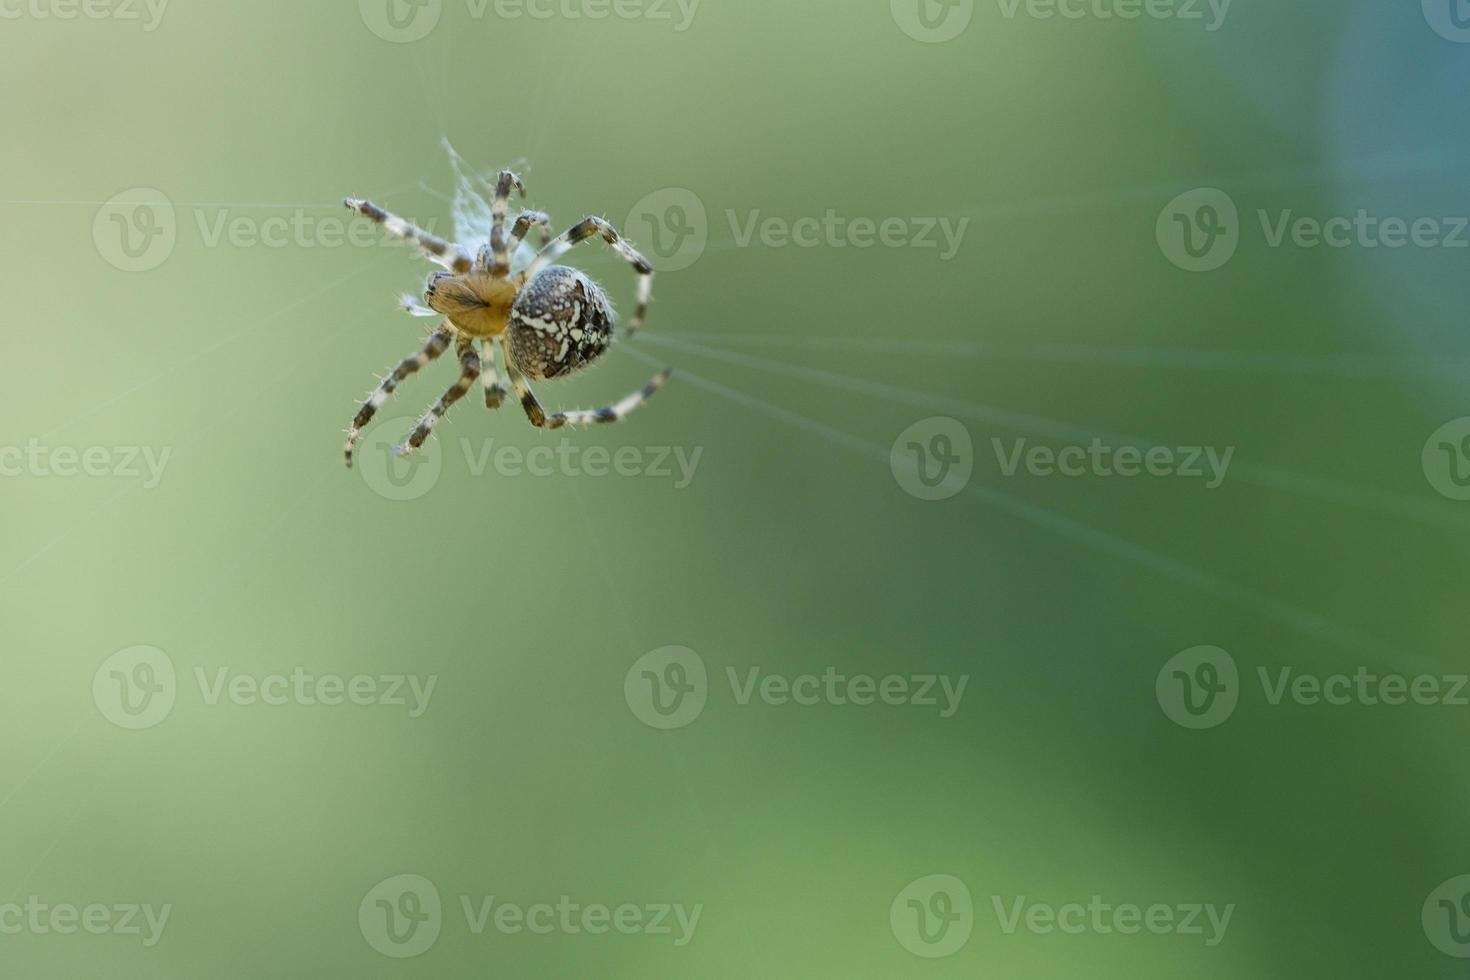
x=561, y=321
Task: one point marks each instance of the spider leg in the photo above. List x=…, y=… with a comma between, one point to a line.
x=499, y=209
x=446, y=253
x=525, y=222
x=469, y=363
x=494, y=390
x=581, y=232
x=438, y=343
x=541, y=420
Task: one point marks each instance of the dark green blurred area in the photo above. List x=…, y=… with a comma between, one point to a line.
x=793, y=549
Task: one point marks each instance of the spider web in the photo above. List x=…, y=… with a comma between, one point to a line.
x=470, y=207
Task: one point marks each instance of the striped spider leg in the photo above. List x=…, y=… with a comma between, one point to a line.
x=437, y=344
x=596, y=227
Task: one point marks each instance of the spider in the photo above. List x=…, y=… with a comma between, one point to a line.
x=551, y=321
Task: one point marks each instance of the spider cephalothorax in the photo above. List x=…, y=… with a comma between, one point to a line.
x=550, y=320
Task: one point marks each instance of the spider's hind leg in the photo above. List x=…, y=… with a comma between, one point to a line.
x=613, y=413
x=438, y=343
x=469, y=363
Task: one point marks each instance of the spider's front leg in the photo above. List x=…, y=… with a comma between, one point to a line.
x=525, y=222
x=469, y=363
x=447, y=254
x=438, y=344
x=598, y=228
x=499, y=209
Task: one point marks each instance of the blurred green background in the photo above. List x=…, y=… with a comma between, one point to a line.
x=794, y=547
